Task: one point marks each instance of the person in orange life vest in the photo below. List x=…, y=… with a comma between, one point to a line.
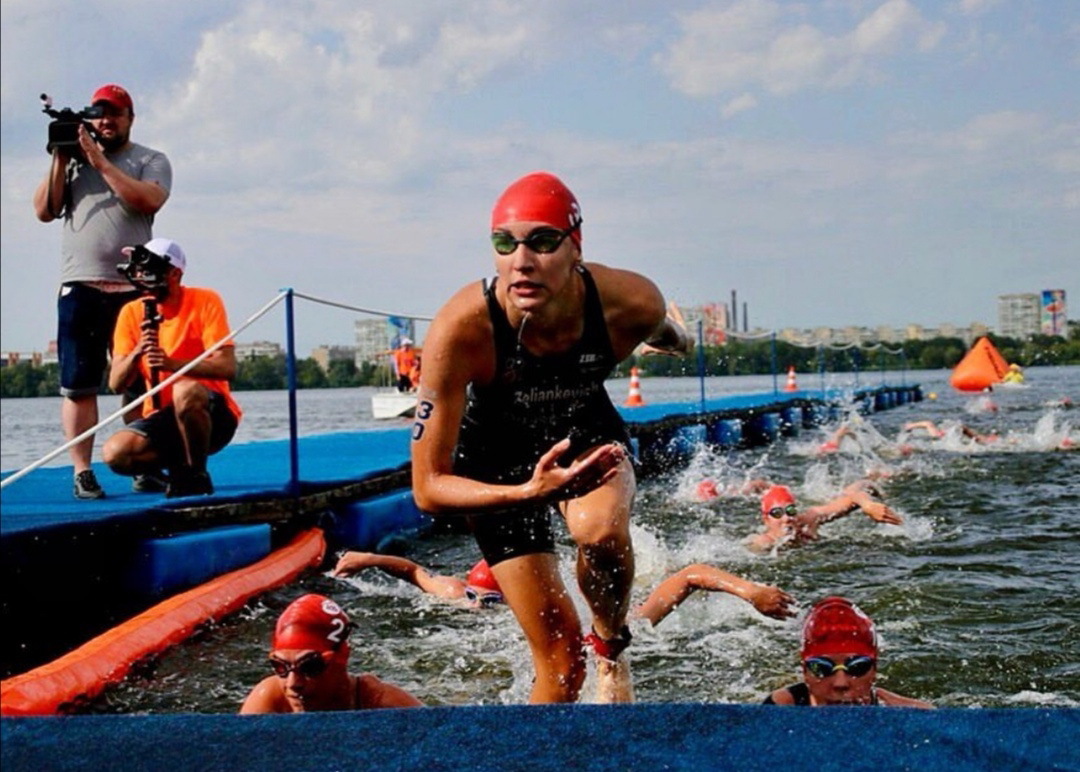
x=195, y=416
x=406, y=363
x=785, y=523
x=309, y=655
x=839, y=661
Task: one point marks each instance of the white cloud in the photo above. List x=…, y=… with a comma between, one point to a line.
x=739, y=104
x=767, y=44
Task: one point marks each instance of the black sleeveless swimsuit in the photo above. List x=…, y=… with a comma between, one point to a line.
x=530, y=404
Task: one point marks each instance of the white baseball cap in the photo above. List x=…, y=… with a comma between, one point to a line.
x=166, y=248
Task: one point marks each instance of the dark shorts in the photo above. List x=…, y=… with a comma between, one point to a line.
x=87, y=318
x=512, y=533
x=161, y=429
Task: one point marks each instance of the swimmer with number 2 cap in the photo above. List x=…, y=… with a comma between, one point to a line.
x=309, y=657
x=513, y=424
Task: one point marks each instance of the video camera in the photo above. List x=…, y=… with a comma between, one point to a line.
x=146, y=270
x=64, y=129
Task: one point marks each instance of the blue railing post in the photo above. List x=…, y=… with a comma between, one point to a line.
x=290, y=365
x=775, y=385
x=701, y=360
x=903, y=366
x=855, y=364
x=821, y=367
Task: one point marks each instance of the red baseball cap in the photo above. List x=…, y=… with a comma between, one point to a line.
x=481, y=576
x=312, y=622
x=835, y=625
x=539, y=197
x=115, y=95
x=776, y=496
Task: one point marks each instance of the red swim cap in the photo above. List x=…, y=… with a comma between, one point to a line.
x=539, y=197
x=481, y=576
x=835, y=625
x=311, y=622
x=776, y=496
x=706, y=490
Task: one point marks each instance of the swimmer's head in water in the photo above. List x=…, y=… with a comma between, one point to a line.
x=778, y=497
x=539, y=197
x=835, y=625
x=706, y=490
x=481, y=585
x=312, y=622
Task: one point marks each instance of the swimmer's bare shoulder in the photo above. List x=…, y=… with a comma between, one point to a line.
x=892, y=699
x=373, y=692
x=782, y=697
x=268, y=696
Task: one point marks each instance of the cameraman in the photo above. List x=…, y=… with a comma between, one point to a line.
x=106, y=201
x=195, y=416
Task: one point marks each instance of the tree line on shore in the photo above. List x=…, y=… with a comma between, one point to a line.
x=736, y=357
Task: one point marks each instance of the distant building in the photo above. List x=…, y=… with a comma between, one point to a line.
x=259, y=348
x=1019, y=315
x=375, y=337
x=324, y=355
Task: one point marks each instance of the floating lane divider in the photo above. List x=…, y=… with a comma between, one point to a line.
x=82, y=674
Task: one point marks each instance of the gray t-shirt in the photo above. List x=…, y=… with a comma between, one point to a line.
x=97, y=225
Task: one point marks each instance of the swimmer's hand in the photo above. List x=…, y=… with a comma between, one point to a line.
x=587, y=472
x=772, y=601
x=875, y=510
x=671, y=338
x=805, y=528
x=353, y=562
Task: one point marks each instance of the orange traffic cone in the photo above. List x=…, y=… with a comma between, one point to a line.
x=791, y=385
x=633, y=399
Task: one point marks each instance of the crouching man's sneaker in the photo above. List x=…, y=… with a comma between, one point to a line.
x=188, y=482
x=150, y=482
x=86, y=486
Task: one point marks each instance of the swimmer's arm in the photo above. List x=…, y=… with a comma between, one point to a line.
x=441, y=586
x=671, y=592
x=266, y=697
x=897, y=700
x=635, y=312
x=865, y=496
x=376, y=693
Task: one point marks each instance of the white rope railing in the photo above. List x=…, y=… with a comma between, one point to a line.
x=362, y=310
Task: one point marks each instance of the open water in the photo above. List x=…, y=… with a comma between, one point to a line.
x=975, y=595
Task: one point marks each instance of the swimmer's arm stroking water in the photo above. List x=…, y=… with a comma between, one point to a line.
x=770, y=601
x=448, y=587
x=459, y=351
x=856, y=496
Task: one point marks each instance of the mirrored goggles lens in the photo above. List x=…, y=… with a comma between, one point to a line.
x=823, y=667
x=543, y=241
x=309, y=666
x=485, y=599
x=790, y=510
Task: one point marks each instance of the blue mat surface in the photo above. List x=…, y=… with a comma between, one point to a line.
x=43, y=498
x=594, y=737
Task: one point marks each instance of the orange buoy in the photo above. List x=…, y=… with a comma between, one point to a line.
x=633, y=399
x=791, y=385
x=982, y=366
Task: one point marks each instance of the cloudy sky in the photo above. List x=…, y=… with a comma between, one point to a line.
x=836, y=162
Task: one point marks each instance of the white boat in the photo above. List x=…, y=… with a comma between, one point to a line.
x=393, y=404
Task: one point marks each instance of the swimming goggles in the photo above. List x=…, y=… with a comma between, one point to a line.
x=542, y=241
x=484, y=599
x=790, y=510
x=856, y=667
x=310, y=665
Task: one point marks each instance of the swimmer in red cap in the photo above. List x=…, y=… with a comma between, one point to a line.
x=479, y=589
x=309, y=655
x=786, y=524
x=839, y=661
x=514, y=425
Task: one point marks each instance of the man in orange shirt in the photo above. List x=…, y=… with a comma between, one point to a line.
x=194, y=416
x=406, y=366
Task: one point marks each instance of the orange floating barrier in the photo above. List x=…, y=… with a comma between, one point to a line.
x=83, y=673
x=791, y=384
x=982, y=366
x=633, y=399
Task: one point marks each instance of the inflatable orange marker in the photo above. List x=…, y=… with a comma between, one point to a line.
x=982, y=366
